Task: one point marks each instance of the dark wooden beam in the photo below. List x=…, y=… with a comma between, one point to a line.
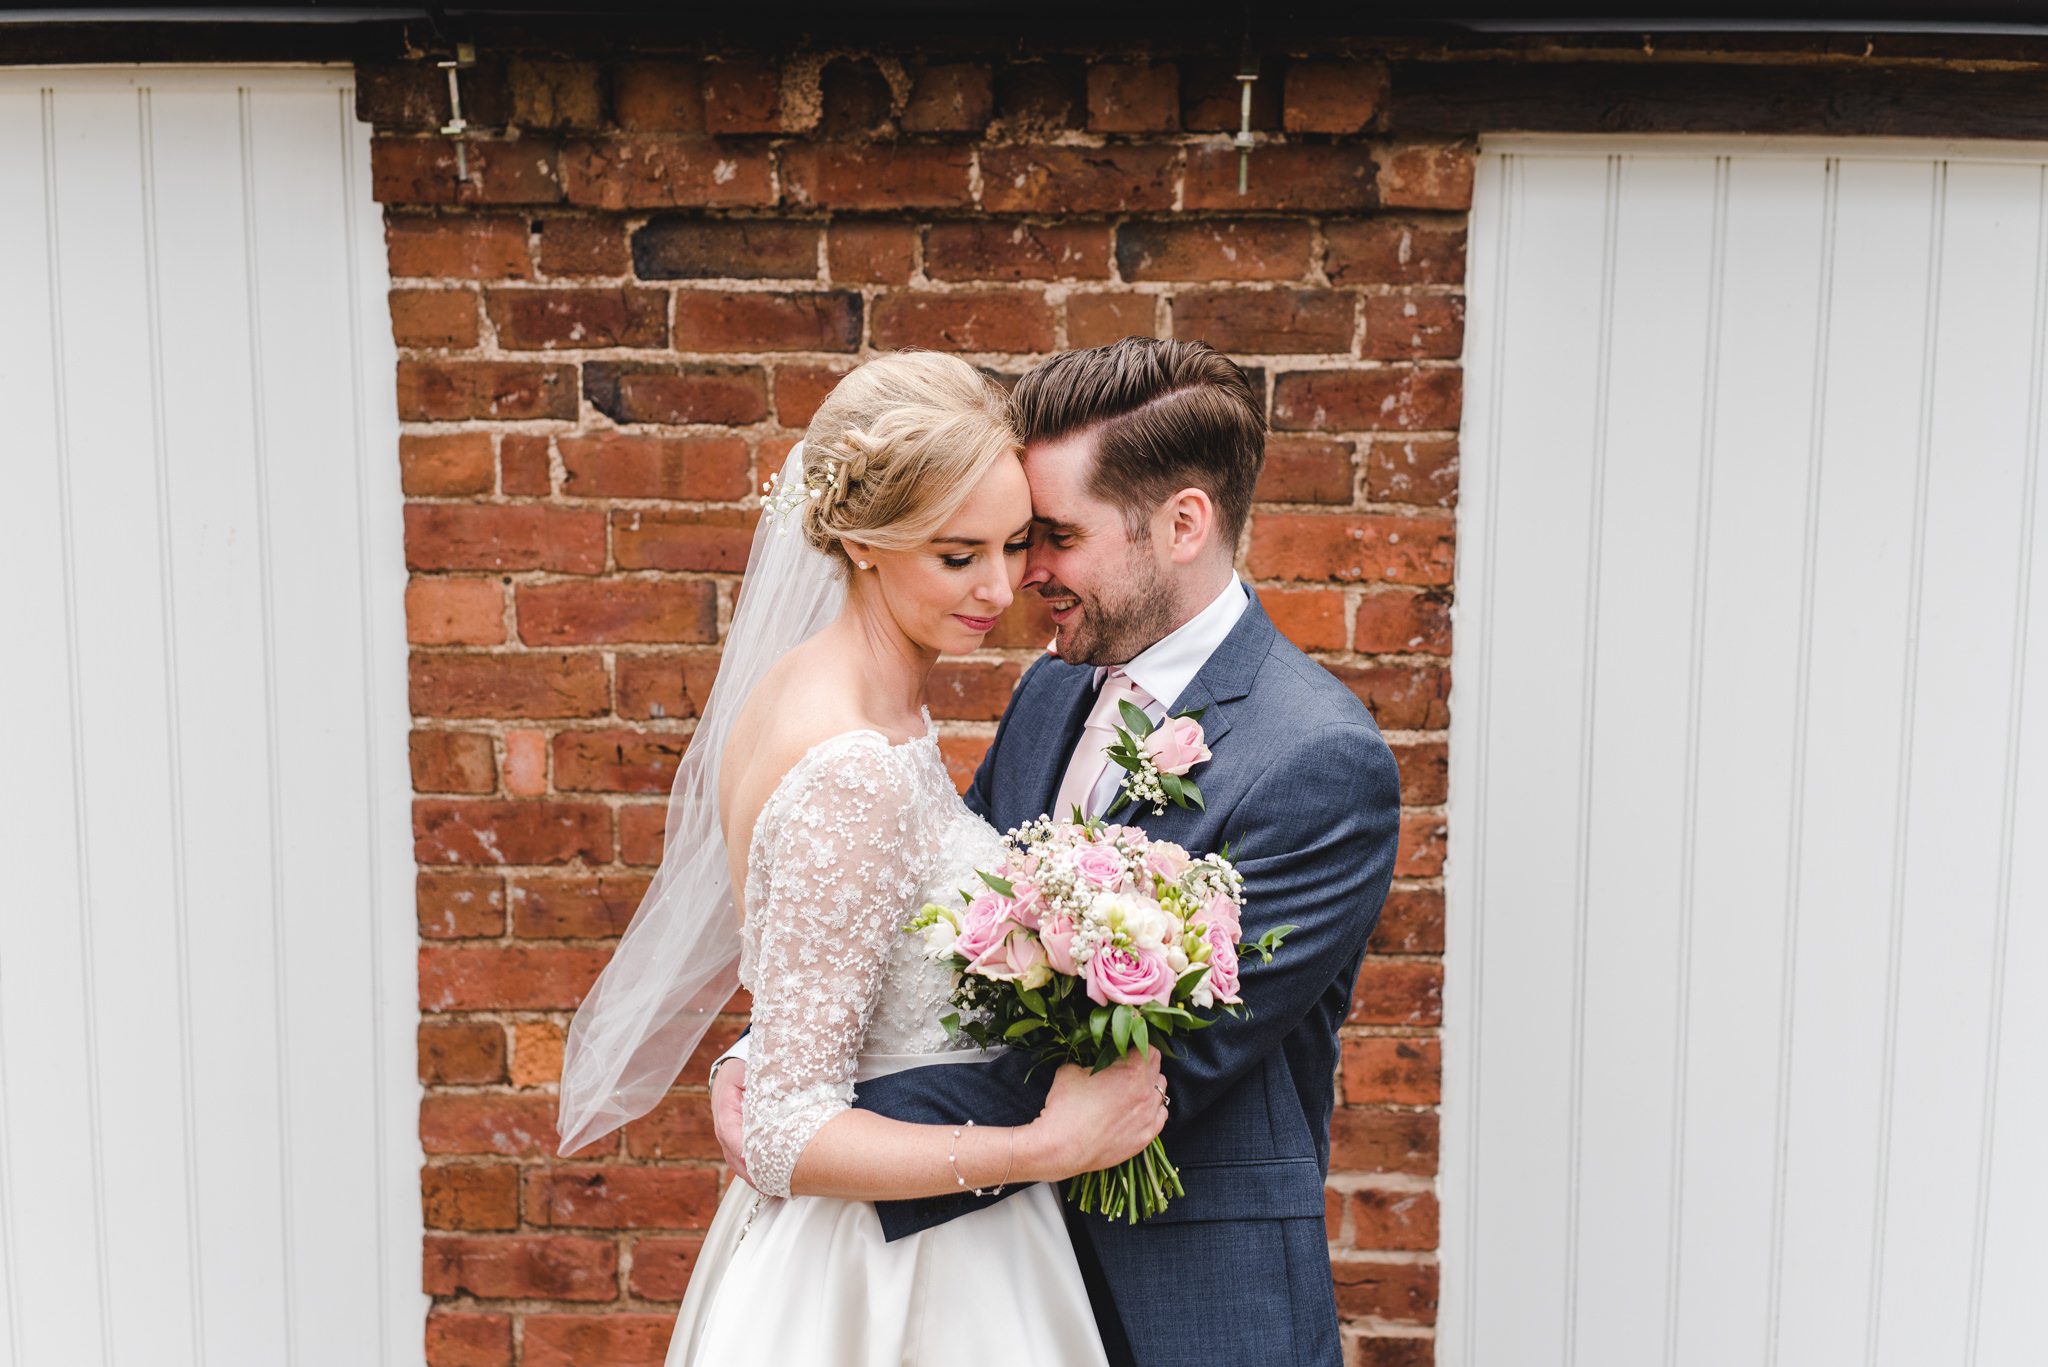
x=1464, y=97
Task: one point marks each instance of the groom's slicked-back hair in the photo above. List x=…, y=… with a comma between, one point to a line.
x=1165, y=416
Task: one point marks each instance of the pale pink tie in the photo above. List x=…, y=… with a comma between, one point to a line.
x=1091, y=755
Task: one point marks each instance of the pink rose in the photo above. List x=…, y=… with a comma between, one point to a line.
x=1102, y=866
x=1023, y=959
x=1166, y=861
x=982, y=926
x=1130, y=976
x=1024, y=905
x=1221, y=911
x=1175, y=745
x=1222, y=979
x=1056, y=933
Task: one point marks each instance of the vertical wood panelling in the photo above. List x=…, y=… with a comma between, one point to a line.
x=45, y=1023
x=1977, y=441
x=1640, y=587
x=2008, y=1239
x=209, y=400
x=1491, y=285
x=125, y=719
x=1537, y=630
x=1774, y=253
x=178, y=792
x=212, y=593
x=1721, y=1004
x=323, y=803
x=2006, y=1323
x=1862, y=598
x=1802, y=717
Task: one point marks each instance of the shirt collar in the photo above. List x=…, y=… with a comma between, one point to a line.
x=1167, y=666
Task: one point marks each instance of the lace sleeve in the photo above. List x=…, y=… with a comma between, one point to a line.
x=839, y=873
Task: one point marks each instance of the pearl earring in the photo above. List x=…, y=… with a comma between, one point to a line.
x=862, y=563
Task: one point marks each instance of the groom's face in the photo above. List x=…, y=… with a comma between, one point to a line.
x=1109, y=595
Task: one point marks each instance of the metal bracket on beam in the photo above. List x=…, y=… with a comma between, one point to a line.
x=457, y=127
x=1246, y=74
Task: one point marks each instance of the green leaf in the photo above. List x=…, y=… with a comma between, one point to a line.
x=1173, y=787
x=1002, y=885
x=1193, y=794
x=1130, y=762
x=1135, y=718
x=1031, y=999
x=1120, y=1027
x=1141, y=1035
x=1195, y=715
x=1190, y=979
x=1098, y=1021
x=1023, y=1028
x=950, y=1023
x=1270, y=941
x=1155, y=1018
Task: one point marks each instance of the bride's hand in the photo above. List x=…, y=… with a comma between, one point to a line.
x=1097, y=1120
x=727, y=1090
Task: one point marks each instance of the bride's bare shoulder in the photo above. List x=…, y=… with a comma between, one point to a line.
x=798, y=704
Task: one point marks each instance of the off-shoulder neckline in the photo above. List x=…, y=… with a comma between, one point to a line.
x=930, y=737
x=931, y=732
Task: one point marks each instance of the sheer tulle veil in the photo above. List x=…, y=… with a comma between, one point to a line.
x=678, y=962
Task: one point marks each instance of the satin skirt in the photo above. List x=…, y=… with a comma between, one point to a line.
x=810, y=1280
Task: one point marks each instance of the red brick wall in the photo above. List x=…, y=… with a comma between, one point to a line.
x=618, y=325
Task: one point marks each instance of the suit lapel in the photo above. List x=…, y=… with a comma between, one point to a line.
x=1226, y=676
x=1068, y=698
x=1217, y=690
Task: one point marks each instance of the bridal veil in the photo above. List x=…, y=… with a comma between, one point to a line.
x=678, y=963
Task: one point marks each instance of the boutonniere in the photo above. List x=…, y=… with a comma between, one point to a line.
x=1158, y=759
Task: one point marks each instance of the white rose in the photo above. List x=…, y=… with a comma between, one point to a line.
x=940, y=935
x=1145, y=923
x=1106, y=911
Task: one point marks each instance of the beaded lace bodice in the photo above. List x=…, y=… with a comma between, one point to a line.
x=855, y=838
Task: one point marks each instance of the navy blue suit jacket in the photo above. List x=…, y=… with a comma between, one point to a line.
x=1305, y=791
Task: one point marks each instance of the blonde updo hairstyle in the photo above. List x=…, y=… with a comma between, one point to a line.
x=908, y=436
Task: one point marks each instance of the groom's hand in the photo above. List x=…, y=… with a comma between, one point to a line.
x=727, y=1090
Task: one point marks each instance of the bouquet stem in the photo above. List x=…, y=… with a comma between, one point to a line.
x=1135, y=1189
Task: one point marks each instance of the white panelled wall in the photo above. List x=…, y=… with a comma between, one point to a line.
x=1746, y=1044
x=208, y=1107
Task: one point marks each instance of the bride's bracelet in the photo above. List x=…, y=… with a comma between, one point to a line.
x=953, y=1161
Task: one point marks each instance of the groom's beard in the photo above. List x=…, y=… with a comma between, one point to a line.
x=1112, y=629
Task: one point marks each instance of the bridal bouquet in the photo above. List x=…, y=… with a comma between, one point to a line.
x=1087, y=941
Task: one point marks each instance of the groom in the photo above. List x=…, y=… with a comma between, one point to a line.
x=1142, y=457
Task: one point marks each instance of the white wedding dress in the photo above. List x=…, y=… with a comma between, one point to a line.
x=856, y=837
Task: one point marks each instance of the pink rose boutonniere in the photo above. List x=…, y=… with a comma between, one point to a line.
x=1158, y=758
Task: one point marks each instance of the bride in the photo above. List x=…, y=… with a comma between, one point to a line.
x=811, y=817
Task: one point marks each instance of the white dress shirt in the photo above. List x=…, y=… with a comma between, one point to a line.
x=1163, y=669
